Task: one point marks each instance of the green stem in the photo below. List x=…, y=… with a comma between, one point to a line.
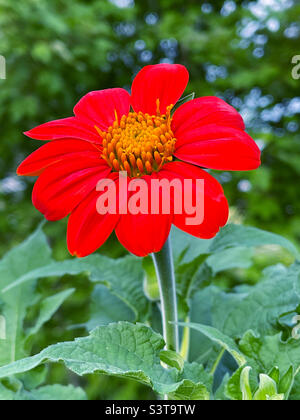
x=164, y=266
x=185, y=344
x=217, y=362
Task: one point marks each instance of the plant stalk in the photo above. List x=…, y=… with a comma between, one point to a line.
x=164, y=266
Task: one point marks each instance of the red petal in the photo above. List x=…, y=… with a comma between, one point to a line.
x=87, y=229
x=65, y=128
x=165, y=82
x=63, y=185
x=215, y=204
x=54, y=152
x=203, y=111
x=218, y=147
x=99, y=107
x=142, y=234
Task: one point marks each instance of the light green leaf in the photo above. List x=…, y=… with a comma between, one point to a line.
x=172, y=359
x=245, y=385
x=267, y=389
x=233, y=386
x=263, y=353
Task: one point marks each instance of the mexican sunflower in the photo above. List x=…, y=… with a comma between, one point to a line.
x=114, y=131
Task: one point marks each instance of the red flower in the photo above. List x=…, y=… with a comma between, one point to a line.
x=104, y=137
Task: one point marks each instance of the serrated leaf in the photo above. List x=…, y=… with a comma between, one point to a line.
x=123, y=350
x=269, y=351
x=196, y=384
x=257, y=308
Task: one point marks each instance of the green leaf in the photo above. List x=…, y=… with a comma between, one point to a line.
x=267, y=389
x=107, y=308
x=48, y=308
x=239, y=257
x=183, y=100
x=128, y=286
x=286, y=382
x=190, y=391
x=53, y=393
x=245, y=385
x=6, y=394
x=216, y=336
x=123, y=350
x=246, y=236
x=27, y=257
x=233, y=387
x=274, y=374
x=172, y=359
x=263, y=353
x=123, y=277
x=269, y=351
x=257, y=308
x=196, y=384
x=187, y=248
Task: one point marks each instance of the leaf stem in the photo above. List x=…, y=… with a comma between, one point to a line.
x=217, y=362
x=164, y=266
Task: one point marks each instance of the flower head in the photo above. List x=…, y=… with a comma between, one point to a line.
x=112, y=132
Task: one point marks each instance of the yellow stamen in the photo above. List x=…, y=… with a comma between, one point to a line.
x=139, y=143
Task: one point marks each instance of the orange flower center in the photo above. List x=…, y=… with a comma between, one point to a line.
x=140, y=143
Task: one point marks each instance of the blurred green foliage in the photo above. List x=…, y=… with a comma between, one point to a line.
x=239, y=50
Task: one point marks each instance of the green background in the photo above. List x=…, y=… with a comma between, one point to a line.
x=60, y=50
